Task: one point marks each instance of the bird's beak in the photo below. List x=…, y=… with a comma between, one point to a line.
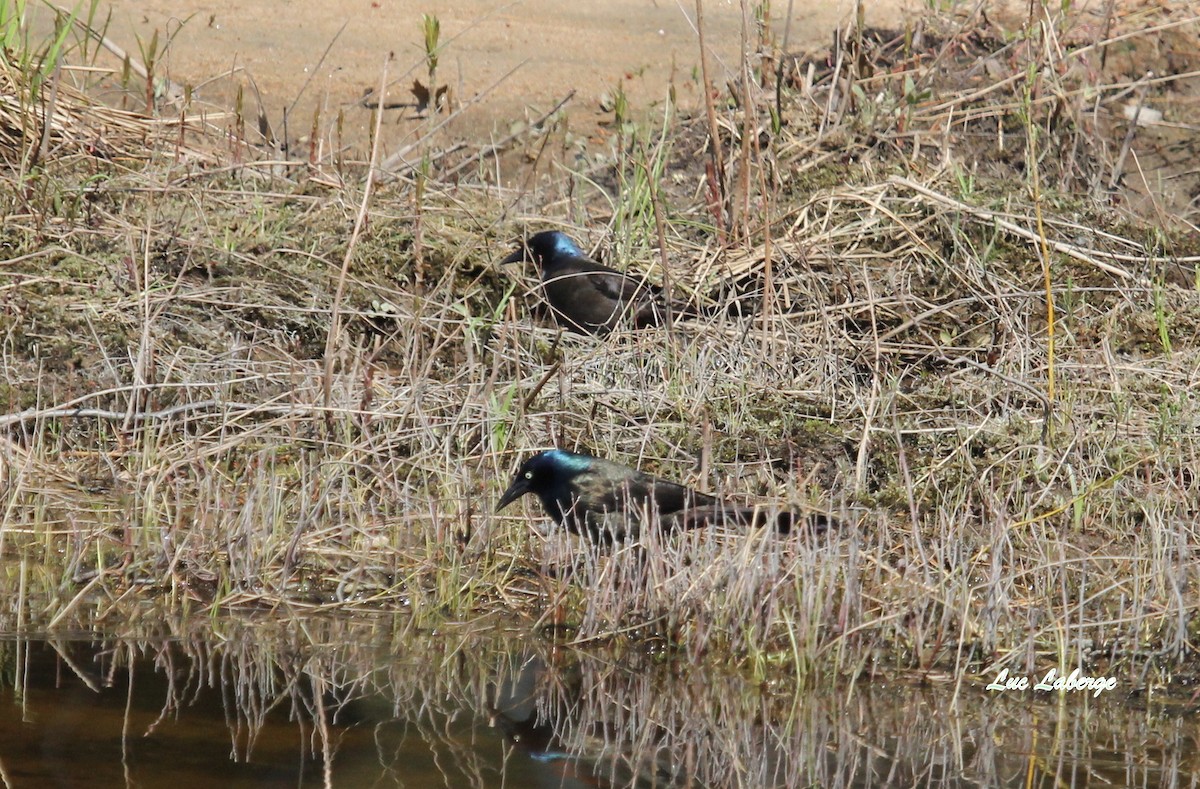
x=516, y=490
x=520, y=255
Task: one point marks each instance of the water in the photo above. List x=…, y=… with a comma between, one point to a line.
x=372, y=702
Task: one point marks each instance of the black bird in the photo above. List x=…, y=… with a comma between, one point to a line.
x=608, y=502
x=589, y=297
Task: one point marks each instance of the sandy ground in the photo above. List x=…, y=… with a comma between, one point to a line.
x=526, y=55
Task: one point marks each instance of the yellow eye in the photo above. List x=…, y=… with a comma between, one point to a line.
x=528, y=475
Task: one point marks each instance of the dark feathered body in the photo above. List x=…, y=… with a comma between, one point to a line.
x=589, y=297
x=606, y=501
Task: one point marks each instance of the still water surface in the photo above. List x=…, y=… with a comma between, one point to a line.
x=377, y=703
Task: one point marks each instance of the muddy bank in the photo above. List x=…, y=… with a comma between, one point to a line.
x=318, y=55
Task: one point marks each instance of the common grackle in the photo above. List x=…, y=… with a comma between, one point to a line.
x=608, y=502
x=589, y=297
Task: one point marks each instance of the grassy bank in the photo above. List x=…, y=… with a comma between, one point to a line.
x=238, y=384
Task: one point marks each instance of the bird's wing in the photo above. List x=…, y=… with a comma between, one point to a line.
x=612, y=487
x=620, y=287
x=651, y=301
x=596, y=493
x=723, y=513
x=671, y=497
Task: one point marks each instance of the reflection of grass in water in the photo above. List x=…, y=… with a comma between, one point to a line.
x=370, y=702
x=164, y=330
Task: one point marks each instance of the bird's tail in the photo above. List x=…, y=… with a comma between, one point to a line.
x=787, y=521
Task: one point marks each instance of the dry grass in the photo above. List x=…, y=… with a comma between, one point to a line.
x=1005, y=499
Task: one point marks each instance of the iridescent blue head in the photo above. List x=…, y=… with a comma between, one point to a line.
x=546, y=474
x=545, y=248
